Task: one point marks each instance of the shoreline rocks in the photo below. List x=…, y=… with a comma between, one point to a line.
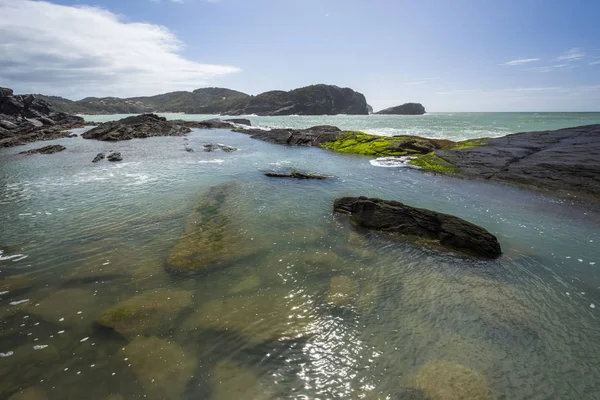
x=26, y=118
x=445, y=230
x=295, y=174
x=136, y=127
x=55, y=148
x=315, y=136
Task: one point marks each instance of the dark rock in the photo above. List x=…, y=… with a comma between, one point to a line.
x=189, y=150
x=212, y=147
x=240, y=121
x=394, y=217
x=98, y=157
x=564, y=161
x=369, y=109
x=73, y=135
x=404, y=109
x=55, y=148
x=295, y=174
x=115, y=157
x=25, y=119
x=314, y=136
x=136, y=127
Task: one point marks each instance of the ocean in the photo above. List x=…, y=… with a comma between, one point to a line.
x=312, y=308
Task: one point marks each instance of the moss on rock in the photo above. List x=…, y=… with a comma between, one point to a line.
x=432, y=162
x=163, y=368
x=146, y=313
x=384, y=146
x=467, y=144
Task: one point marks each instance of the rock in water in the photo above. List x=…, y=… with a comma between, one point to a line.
x=136, y=127
x=211, y=236
x=115, y=157
x=212, y=147
x=98, y=157
x=162, y=367
x=404, y=109
x=295, y=174
x=314, y=136
x=55, y=148
x=443, y=380
x=394, y=217
x=240, y=121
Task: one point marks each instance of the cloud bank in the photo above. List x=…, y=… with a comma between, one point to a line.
x=80, y=51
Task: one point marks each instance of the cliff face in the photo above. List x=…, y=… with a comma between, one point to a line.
x=26, y=118
x=310, y=100
x=404, y=109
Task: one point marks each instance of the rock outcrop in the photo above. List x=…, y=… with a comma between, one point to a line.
x=315, y=136
x=26, y=119
x=404, y=109
x=564, y=161
x=136, y=127
x=295, y=174
x=310, y=100
x=55, y=148
x=116, y=156
x=409, y=222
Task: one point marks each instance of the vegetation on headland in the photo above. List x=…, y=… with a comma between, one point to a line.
x=384, y=146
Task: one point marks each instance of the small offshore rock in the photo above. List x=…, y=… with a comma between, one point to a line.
x=115, y=157
x=55, y=148
x=189, y=150
x=295, y=174
x=212, y=147
x=98, y=157
x=240, y=121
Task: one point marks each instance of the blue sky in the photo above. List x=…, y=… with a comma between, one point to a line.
x=460, y=55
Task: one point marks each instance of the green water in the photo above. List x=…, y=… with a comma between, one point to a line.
x=317, y=310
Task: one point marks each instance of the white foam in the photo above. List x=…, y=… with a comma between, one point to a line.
x=3, y=293
x=40, y=346
x=5, y=258
x=7, y=354
x=393, y=162
x=16, y=303
x=217, y=161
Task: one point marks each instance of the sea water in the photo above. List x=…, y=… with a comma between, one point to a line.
x=381, y=317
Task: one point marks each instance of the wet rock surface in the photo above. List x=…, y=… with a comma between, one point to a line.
x=314, y=136
x=295, y=174
x=136, y=127
x=443, y=229
x=212, y=147
x=26, y=118
x=99, y=157
x=45, y=150
x=115, y=157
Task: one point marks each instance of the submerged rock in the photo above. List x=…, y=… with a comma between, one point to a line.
x=342, y=291
x=404, y=109
x=29, y=394
x=16, y=284
x=231, y=380
x=258, y=317
x=212, y=236
x=98, y=157
x=55, y=148
x=115, y=157
x=295, y=174
x=394, y=217
x=146, y=313
x=443, y=380
x=162, y=367
x=136, y=127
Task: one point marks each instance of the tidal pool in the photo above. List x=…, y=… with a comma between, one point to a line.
x=299, y=304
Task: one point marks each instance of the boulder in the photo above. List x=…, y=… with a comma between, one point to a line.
x=99, y=157
x=45, y=150
x=240, y=121
x=116, y=156
x=314, y=136
x=212, y=147
x=409, y=222
x=295, y=174
x=5, y=92
x=404, y=109
x=136, y=127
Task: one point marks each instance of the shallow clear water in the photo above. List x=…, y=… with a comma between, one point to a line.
x=317, y=311
x=454, y=126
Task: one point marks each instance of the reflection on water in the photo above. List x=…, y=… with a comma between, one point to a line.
x=302, y=306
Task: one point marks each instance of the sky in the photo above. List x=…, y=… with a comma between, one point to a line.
x=451, y=56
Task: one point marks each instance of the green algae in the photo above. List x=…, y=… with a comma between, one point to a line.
x=467, y=144
x=432, y=162
x=383, y=146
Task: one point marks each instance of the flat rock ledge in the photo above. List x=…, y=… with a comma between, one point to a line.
x=294, y=174
x=409, y=222
x=55, y=148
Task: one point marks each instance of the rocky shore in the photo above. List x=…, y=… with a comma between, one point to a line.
x=26, y=119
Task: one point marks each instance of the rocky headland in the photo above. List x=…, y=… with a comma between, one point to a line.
x=27, y=118
x=404, y=109
x=136, y=127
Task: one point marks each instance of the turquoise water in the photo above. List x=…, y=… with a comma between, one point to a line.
x=454, y=126
x=318, y=310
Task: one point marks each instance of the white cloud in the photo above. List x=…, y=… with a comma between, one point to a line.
x=421, y=81
x=458, y=91
x=595, y=62
x=79, y=51
x=521, y=61
x=573, y=54
x=551, y=68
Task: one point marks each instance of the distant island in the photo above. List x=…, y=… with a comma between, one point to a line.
x=310, y=100
x=404, y=109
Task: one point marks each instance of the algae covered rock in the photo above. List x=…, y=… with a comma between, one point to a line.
x=74, y=305
x=146, y=313
x=212, y=236
x=232, y=381
x=259, y=317
x=246, y=284
x=163, y=368
x=342, y=291
x=383, y=146
x=29, y=394
x=443, y=380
